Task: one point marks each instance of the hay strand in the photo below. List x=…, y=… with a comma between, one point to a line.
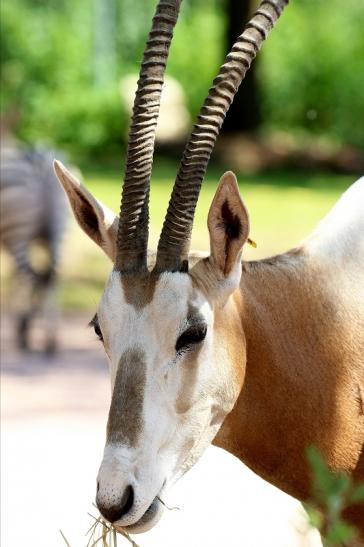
x=64, y=538
x=166, y=506
x=102, y=534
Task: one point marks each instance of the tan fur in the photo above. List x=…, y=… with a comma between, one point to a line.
x=304, y=369
x=295, y=332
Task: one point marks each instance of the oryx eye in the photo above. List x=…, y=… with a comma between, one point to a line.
x=95, y=324
x=193, y=335
x=98, y=331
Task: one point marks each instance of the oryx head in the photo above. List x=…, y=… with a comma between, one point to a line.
x=170, y=328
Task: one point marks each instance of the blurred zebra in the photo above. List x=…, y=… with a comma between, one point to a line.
x=33, y=209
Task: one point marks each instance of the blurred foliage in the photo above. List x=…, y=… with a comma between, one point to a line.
x=312, y=72
x=332, y=493
x=62, y=61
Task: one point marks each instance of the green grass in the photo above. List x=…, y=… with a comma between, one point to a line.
x=284, y=208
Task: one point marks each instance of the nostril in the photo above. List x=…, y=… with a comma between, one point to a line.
x=127, y=500
x=116, y=512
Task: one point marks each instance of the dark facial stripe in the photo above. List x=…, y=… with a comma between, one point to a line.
x=126, y=411
x=139, y=288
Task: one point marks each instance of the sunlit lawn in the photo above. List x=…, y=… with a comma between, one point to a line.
x=283, y=209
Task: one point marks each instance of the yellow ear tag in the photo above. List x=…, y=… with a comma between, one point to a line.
x=252, y=243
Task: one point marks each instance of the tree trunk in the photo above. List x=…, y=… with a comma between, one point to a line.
x=244, y=114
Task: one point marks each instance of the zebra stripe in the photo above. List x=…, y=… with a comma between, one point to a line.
x=32, y=208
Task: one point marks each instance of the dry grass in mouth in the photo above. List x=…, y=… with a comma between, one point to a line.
x=103, y=534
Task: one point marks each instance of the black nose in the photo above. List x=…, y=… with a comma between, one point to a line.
x=115, y=512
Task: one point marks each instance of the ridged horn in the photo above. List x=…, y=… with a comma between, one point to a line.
x=174, y=242
x=132, y=237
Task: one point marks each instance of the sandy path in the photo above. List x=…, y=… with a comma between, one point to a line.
x=53, y=420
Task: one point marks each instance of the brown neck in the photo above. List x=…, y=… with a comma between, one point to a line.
x=298, y=387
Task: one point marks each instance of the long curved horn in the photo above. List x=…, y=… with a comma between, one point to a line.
x=174, y=242
x=132, y=237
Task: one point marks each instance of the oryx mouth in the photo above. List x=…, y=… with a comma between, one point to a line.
x=153, y=512
x=148, y=516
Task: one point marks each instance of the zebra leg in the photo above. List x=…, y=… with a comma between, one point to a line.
x=51, y=310
x=29, y=309
x=19, y=249
x=22, y=331
x=46, y=302
x=42, y=302
x=50, y=313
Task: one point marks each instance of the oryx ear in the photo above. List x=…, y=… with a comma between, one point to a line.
x=228, y=224
x=95, y=219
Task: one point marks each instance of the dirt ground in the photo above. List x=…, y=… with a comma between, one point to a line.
x=53, y=420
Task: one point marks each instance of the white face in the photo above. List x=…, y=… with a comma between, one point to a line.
x=166, y=387
x=176, y=366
